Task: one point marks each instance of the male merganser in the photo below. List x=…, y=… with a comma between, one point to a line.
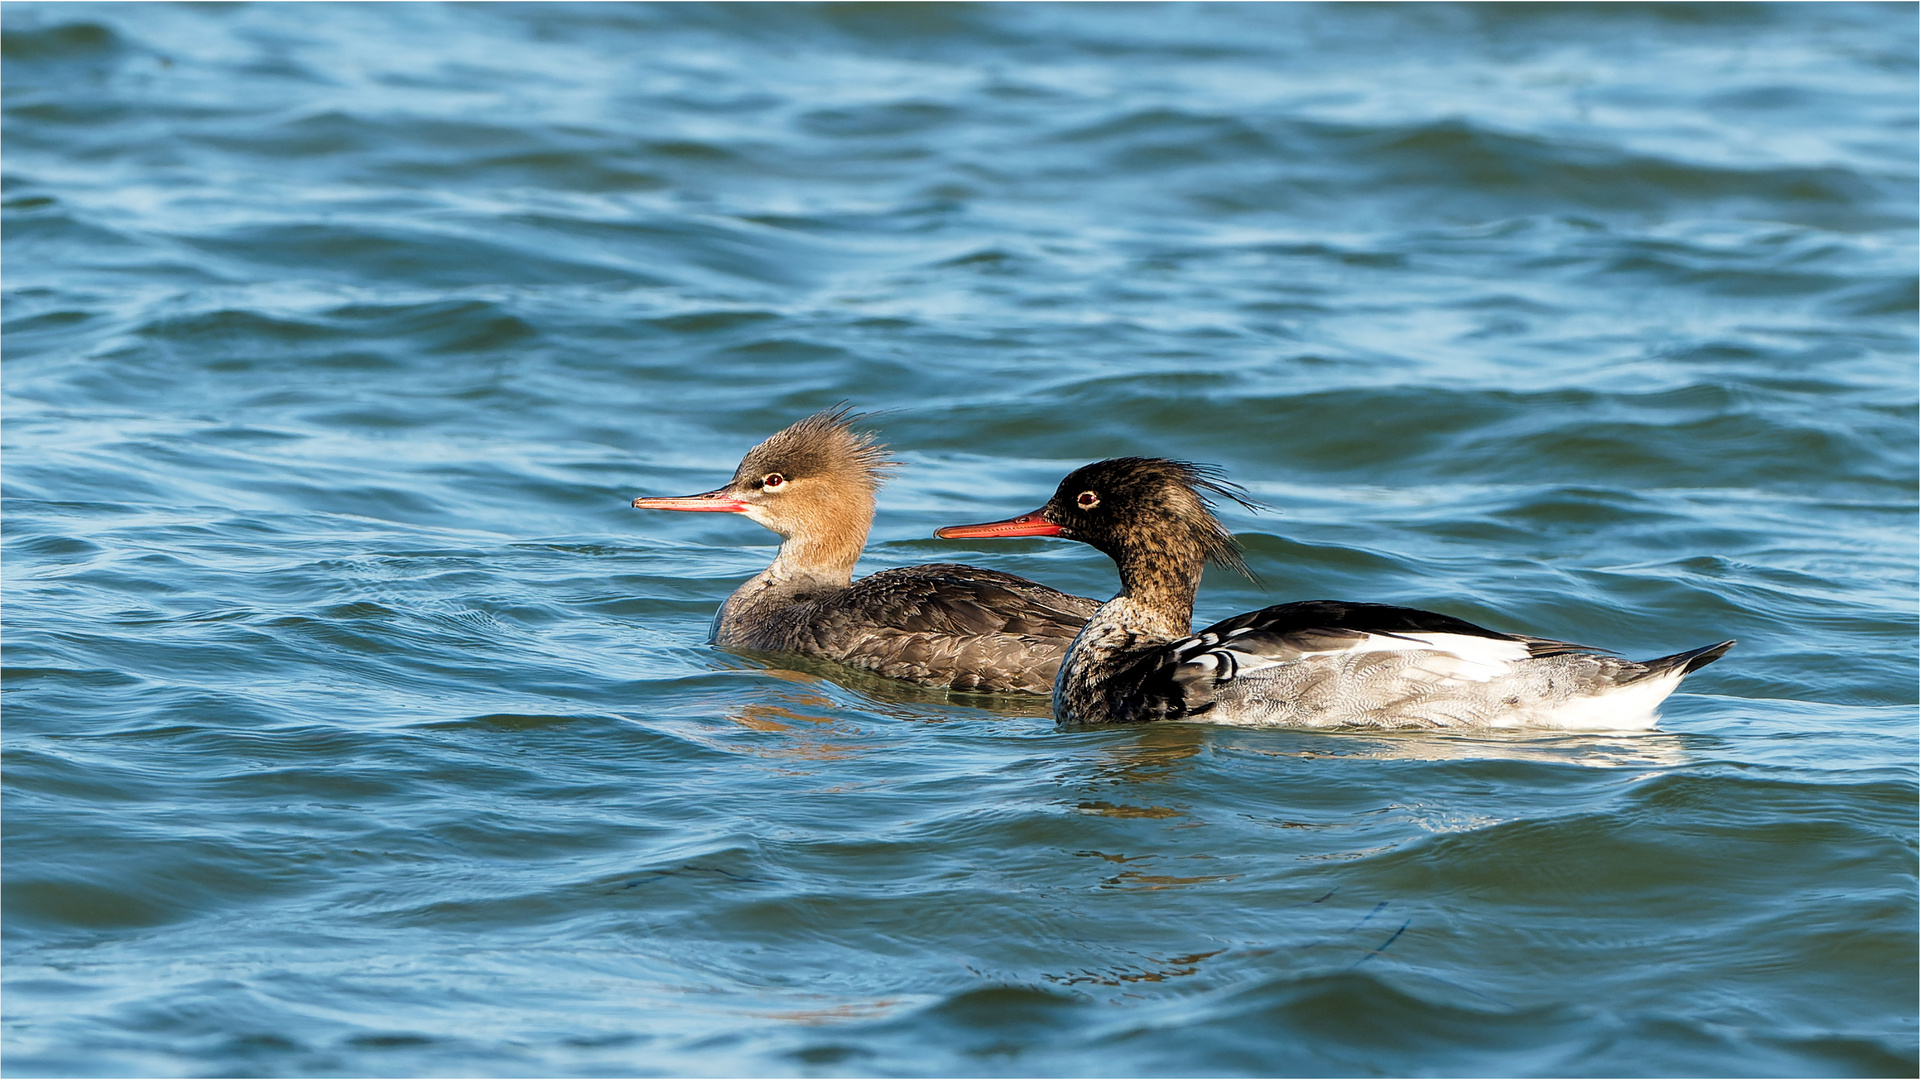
x=1319, y=663
x=946, y=625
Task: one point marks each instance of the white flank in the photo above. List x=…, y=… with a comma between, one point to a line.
x=1633, y=707
x=1451, y=656
x=1460, y=660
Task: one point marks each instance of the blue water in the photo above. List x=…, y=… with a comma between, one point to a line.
x=354, y=725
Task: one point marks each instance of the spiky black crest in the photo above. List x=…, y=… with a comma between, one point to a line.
x=1160, y=493
x=824, y=444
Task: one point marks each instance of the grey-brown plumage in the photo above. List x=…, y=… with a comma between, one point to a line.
x=945, y=625
x=1309, y=664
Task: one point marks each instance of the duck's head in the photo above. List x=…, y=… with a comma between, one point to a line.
x=813, y=483
x=1153, y=516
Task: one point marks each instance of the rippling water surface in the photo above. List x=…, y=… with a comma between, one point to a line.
x=355, y=725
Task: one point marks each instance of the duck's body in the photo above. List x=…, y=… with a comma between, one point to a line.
x=1323, y=663
x=945, y=625
x=1316, y=663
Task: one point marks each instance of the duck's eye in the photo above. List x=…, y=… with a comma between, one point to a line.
x=1089, y=500
x=773, y=480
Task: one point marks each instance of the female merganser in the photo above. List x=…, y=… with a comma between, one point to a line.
x=946, y=625
x=1319, y=663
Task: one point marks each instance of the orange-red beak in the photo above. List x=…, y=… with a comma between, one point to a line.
x=1032, y=524
x=712, y=502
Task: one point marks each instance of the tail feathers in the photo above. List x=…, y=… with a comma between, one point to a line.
x=1683, y=663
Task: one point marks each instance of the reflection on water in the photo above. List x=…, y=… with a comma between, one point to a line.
x=841, y=1012
x=809, y=736
x=1150, y=753
x=902, y=700
x=1107, y=809
x=1135, y=881
x=1146, y=969
x=1600, y=751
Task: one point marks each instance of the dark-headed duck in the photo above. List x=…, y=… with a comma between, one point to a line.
x=1317, y=663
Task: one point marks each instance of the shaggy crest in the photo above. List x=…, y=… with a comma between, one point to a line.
x=822, y=445
x=1159, y=487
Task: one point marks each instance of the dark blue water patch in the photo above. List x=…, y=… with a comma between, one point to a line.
x=1890, y=298
x=1631, y=853
x=84, y=50
x=372, y=255
x=445, y=154
x=1485, y=172
x=1626, y=437
x=1333, y=1023
x=45, y=229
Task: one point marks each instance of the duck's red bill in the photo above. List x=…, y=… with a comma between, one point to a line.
x=712, y=502
x=1032, y=524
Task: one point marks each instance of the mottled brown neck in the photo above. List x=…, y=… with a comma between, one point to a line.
x=1161, y=574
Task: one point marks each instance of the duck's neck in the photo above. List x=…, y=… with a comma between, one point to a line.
x=817, y=556
x=823, y=559
x=1160, y=586
x=1154, y=607
x=821, y=539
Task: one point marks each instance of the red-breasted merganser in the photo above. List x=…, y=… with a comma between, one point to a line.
x=943, y=624
x=1318, y=663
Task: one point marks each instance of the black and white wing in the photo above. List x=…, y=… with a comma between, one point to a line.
x=1321, y=661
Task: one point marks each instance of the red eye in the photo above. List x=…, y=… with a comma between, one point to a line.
x=774, y=480
x=1089, y=500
